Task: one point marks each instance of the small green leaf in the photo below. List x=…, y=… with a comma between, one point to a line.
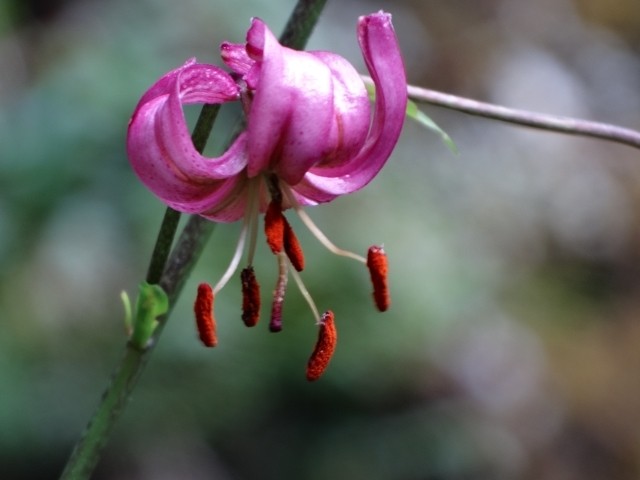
x=414, y=113
x=371, y=90
x=151, y=303
x=128, y=321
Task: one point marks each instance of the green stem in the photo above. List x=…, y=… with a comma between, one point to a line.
x=203, y=127
x=163, y=245
x=88, y=449
x=192, y=241
x=183, y=258
x=200, y=135
x=303, y=19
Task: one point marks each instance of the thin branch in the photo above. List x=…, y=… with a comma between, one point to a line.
x=572, y=126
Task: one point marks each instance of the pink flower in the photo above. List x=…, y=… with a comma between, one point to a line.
x=310, y=138
x=308, y=119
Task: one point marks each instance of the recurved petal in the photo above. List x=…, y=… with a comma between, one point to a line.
x=351, y=111
x=235, y=56
x=226, y=204
x=164, y=84
x=160, y=148
x=382, y=55
x=291, y=113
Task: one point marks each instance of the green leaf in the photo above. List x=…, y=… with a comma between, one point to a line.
x=417, y=115
x=414, y=112
x=128, y=318
x=151, y=303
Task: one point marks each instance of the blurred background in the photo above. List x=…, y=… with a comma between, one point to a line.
x=512, y=348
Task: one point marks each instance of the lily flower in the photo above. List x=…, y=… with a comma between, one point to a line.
x=310, y=138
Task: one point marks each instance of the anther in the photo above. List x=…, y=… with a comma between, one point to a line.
x=205, y=320
x=274, y=225
x=250, y=297
x=325, y=346
x=292, y=247
x=377, y=265
x=275, y=324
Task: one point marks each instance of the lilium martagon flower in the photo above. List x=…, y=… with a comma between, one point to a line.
x=310, y=137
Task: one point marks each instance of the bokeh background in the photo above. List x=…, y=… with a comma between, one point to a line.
x=512, y=348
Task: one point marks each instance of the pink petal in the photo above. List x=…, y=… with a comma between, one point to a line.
x=291, y=114
x=351, y=113
x=163, y=85
x=234, y=55
x=382, y=55
x=160, y=147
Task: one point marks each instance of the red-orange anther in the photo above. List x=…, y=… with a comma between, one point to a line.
x=377, y=264
x=325, y=346
x=205, y=320
x=274, y=223
x=280, y=235
x=292, y=247
x=250, y=297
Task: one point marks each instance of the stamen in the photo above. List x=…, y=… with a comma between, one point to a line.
x=378, y=267
x=250, y=297
x=275, y=325
x=235, y=261
x=292, y=247
x=273, y=184
x=252, y=217
x=313, y=228
x=205, y=320
x=277, y=229
x=307, y=296
x=274, y=225
x=325, y=346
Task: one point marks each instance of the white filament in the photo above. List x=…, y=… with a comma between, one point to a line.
x=235, y=261
x=313, y=228
x=305, y=293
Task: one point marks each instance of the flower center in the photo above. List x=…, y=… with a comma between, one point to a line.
x=284, y=244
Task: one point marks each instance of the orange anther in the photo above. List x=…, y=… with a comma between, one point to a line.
x=377, y=264
x=250, y=297
x=292, y=247
x=274, y=224
x=325, y=346
x=205, y=320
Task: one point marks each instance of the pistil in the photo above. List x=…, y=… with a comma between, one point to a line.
x=275, y=325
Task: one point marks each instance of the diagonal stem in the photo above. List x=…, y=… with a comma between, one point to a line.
x=304, y=17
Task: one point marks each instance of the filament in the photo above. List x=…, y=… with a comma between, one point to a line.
x=307, y=296
x=313, y=228
x=235, y=261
